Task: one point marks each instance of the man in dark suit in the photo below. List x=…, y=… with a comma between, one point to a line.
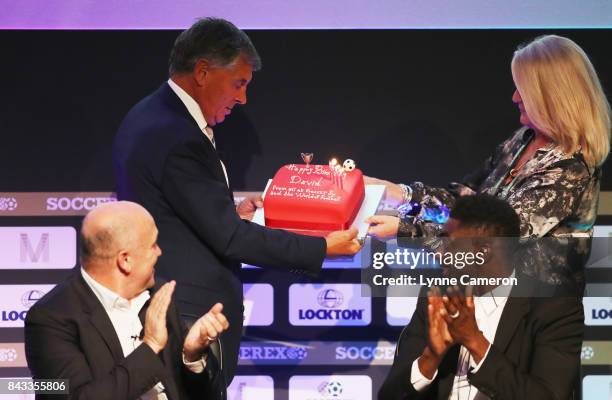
x=503, y=342
x=103, y=332
x=164, y=157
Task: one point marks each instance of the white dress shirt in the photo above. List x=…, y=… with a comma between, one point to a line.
x=196, y=113
x=124, y=317
x=488, y=310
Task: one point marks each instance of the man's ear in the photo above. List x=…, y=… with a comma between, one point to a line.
x=482, y=246
x=486, y=254
x=200, y=71
x=124, y=262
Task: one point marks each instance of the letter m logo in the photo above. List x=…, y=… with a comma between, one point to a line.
x=27, y=253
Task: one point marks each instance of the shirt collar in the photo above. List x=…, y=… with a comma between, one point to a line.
x=111, y=300
x=496, y=297
x=192, y=106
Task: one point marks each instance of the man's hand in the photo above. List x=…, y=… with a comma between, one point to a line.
x=383, y=226
x=155, y=330
x=206, y=330
x=463, y=327
x=393, y=193
x=246, y=208
x=340, y=243
x=439, y=339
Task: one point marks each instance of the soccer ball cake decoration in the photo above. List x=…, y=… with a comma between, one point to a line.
x=348, y=165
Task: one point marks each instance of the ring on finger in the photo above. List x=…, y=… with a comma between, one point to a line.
x=455, y=315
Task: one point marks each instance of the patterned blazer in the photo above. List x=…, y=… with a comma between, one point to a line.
x=555, y=195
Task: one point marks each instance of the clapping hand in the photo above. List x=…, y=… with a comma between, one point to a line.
x=460, y=317
x=155, y=330
x=207, y=329
x=439, y=339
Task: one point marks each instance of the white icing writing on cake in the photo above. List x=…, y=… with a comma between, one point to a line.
x=298, y=180
x=320, y=170
x=305, y=193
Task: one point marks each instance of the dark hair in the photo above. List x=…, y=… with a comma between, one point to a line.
x=217, y=40
x=488, y=212
x=94, y=246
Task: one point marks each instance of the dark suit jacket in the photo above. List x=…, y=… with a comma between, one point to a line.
x=535, y=353
x=69, y=335
x=163, y=161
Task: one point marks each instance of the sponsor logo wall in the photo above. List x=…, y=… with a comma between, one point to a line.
x=17, y=300
x=259, y=387
x=258, y=304
x=12, y=355
x=324, y=339
x=51, y=203
x=330, y=305
x=601, y=247
x=596, y=353
x=597, y=310
x=325, y=387
x=598, y=290
x=38, y=247
x=316, y=353
x=400, y=304
x=597, y=387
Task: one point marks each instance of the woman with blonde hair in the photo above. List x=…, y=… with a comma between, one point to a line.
x=549, y=170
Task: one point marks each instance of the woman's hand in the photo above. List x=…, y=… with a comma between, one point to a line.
x=393, y=193
x=383, y=226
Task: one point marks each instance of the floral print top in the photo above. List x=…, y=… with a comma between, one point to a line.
x=555, y=195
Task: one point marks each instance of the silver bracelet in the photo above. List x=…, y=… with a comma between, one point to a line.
x=406, y=193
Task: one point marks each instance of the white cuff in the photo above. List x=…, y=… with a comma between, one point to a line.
x=197, y=366
x=418, y=380
x=475, y=367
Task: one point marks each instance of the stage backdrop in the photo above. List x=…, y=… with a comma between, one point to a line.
x=313, y=14
x=405, y=104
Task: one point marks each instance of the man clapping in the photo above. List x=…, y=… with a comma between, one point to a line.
x=111, y=331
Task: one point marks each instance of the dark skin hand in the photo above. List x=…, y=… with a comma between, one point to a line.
x=439, y=339
x=464, y=329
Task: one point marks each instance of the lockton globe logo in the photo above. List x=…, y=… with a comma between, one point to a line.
x=30, y=297
x=8, y=203
x=330, y=298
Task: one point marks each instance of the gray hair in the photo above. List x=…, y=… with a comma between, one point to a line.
x=214, y=39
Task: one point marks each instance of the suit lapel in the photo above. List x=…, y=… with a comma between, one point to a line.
x=98, y=317
x=100, y=320
x=221, y=156
x=214, y=161
x=516, y=308
x=212, y=158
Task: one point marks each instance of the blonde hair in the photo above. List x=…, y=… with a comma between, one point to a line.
x=563, y=96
